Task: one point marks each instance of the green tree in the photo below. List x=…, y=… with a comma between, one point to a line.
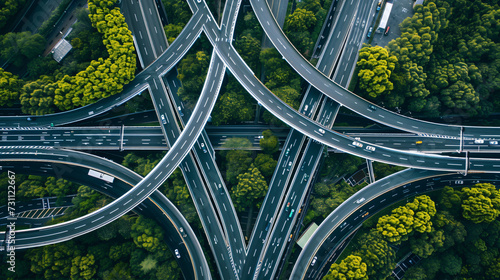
x=148, y=264
x=338, y=165
x=59, y=187
x=310, y=5
x=192, y=70
x=102, y=78
x=37, y=97
x=278, y=72
x=288, y=95
x=251, y=26
x=32, y=188
x=172, y=31
x=415, y=215
x=142, y=165
x=177, y=11
x=8, y=8
x=460, y=95
x=53, y=261
x=493, y=271
x=269, y=143
x=85, y=201
x=266, y=165
x=426, y=244
x=397, y=226
x=233, y=106
x=300, y=20
x=41, y=66
x=451, y=264
x=251, y=188
x=382, y=170
x=10, y=86
x=481, y=203
x=328, y=197
x=238, y=159
x=350, y=268
x=146, y=234
x=121, y=251
x=376, y=253
x=302, y=41
x=83, y=267
x=121, y=271
x=375, y=67
x=21, y=47
x=249, y=49
x=416, y=273
x=168, y=271
x=109, y=232
x=424, y=208
x=450, y=198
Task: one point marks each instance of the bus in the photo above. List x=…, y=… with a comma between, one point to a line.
x=101, y=176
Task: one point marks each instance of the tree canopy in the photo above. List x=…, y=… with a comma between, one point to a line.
x=350, y=268
x=8, y=8
x=375, y=67
x=415, y=215
x=481, y=203
x=101, y=79
x=445, y=61
x=251, y=188
x=19, y=48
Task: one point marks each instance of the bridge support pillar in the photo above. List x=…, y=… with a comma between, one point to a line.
x=369, y=163
x=121, y=138
x=461, y=139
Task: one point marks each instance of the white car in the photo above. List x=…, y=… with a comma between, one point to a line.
x=357, y=144
x=163, y=119
x=314, y=261
x=181, y=229
x=322, y=131
x=177, y=253
x=493, y=142
x=203, y=147
x=360, y=200
x=479, y=141
x=370, y=148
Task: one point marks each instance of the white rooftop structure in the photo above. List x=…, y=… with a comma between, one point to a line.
x=307, y=235
x=61, y=49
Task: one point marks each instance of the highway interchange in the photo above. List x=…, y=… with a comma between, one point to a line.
x=25, y=141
